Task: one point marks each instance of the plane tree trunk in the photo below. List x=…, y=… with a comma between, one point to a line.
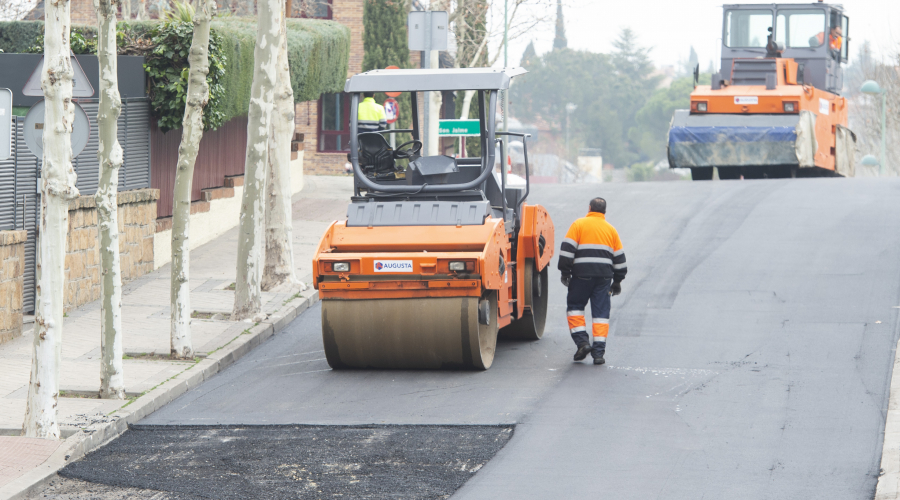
x=251, y=247
x=112, y=381
x=279, y=266
x=192, y=132
x=57, y=188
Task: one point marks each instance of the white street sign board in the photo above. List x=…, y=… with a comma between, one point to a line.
x=417, y=24
x=34, y=129
x=6, y=120
x=81, y=86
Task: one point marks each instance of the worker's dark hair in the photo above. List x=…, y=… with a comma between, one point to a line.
x=368, y=94
x=598, y=205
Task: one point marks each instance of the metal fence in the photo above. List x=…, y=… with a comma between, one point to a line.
x=222, y=153
x=19, y=193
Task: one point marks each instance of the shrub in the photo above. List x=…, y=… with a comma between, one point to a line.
x=167, y=73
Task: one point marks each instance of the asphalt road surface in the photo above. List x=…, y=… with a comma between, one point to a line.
x=750, y=356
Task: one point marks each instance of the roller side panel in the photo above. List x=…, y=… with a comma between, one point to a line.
x=324, y=247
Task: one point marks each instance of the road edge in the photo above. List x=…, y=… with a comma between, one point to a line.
x=81, y=443
x=888, y=487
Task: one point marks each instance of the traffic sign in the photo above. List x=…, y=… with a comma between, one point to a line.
x=34, y=129
x=391, y=110
x=393, y=94
x=81, y=86
x=421, y=24
x=6, y=120
x=459, y=128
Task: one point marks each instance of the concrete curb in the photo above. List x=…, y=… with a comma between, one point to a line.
x=888, y=487
x=83, y=442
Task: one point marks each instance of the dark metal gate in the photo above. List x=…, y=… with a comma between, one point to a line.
x=19, y=192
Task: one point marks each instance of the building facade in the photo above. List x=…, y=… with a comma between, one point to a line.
x=324, y=123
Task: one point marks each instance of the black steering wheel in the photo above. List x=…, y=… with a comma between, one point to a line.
x=415, y=147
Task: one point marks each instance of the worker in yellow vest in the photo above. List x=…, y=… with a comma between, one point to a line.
x=371, y=114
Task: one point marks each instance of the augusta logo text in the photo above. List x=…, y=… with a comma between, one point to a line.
x=393, y=266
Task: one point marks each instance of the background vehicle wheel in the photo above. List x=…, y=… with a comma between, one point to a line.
x=701, y=173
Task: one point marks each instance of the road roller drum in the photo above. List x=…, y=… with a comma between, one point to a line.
x=409, y=333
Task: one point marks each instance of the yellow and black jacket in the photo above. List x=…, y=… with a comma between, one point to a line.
x=592, y=249
x=371, y=116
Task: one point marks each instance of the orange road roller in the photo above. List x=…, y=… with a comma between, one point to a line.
x=438, y=255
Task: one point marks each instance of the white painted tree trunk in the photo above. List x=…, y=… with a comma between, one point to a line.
x=192, y=132
x=467, y=104
x=142, y=14
x=248, y=293
x=112, y=379
x=57, y=188
x=279, y=266
x=126, y=10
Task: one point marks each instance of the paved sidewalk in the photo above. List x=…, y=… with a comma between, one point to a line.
x=145, y=314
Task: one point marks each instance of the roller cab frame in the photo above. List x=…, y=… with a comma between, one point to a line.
x=437, y=257
x=774, y=109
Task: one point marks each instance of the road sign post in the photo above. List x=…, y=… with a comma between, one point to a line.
x=6, y=128
x=392, y=113
x=427, y=31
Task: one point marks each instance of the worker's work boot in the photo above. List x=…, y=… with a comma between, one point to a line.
x=599, y=361
x=582, y=352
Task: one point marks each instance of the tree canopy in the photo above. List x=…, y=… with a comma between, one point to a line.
x=620, y=106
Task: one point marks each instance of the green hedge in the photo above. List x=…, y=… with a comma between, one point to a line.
x=16, y=37
x=318, y=54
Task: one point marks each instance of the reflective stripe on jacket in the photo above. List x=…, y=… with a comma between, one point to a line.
x=592, y=248
x=371, y=116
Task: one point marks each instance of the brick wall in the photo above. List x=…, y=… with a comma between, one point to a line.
x=137, y=224
x=83, y=12
x=12, y=261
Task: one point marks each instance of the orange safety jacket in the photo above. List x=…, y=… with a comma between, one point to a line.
x=833, y=42
x=592, y=249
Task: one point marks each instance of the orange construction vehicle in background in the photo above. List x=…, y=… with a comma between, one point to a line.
x=437, y=258
x=774, y=109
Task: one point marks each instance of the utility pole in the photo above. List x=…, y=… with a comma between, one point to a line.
x=872, y=88
x=569, y=109
x=426, y=96
x=883, y=130
x=428, y=33
x=504, y=148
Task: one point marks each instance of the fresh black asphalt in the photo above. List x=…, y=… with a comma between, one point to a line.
x=750, y=356
x=275, y=462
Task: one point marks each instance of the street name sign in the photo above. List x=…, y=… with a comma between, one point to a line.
x=6, y=120
x=81, y=86
x=459, y=128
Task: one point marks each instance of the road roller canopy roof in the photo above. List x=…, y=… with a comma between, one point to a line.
x=419, y=80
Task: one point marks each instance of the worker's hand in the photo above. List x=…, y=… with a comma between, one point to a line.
x=616, y=288
x=566, y=280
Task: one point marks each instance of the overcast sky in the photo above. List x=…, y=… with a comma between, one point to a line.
x=671, y=27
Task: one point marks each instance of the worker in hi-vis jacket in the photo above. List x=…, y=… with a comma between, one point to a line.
x=371, y=117
x=592, y=263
